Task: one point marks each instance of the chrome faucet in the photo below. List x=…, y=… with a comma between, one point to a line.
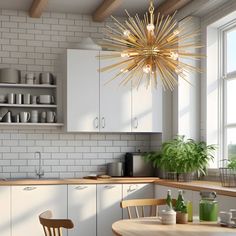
x=40, y=171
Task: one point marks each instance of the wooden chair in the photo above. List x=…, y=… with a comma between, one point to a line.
x=53, y=227
x=135, y=205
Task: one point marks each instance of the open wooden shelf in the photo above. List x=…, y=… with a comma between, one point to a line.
x=5, y=85
x=28, y=105
x=12, y=124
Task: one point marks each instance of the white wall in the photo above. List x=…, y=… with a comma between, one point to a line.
x=186, y=97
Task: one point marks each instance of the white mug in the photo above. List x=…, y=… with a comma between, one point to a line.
x=24, y=117
x=34, y=116
x=51, y=115
x=34, y=100
x=233, y=212
x=225, y=217
x=11, y=98
x=46, y=99
x=43, y=117
x=26, y=98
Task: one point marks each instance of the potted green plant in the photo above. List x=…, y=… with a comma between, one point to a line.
x=232, y=164
x=181, y=210
x=183, y=156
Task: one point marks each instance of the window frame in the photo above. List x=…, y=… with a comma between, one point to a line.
x=223, y=79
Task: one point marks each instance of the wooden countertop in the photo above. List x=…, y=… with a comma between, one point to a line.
x=199, y=186
x=9, y=182
x=194, y=185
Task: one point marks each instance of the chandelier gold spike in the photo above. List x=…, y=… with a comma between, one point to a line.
x=151, y=49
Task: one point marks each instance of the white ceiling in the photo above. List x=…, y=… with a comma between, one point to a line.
x=79, y=6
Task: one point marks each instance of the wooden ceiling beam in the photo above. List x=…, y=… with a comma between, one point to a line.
x=106, y=9
x=37, y=8
x=170, y=6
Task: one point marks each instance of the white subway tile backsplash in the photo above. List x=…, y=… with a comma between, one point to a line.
x=18, y=18
x=10, y=169
x=9, y=24
x=26, y=25
x=6, y=35
x=82, y=149
x=98, y=149
x=18, y=149
x=66, y=22
x=33, y=45
x=112, y=149
x=19, y=162
x=75, y=155
x=58, y=168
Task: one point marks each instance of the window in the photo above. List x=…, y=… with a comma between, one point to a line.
x=228, y=103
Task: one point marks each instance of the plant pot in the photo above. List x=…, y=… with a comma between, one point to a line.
x=160, y=173
x=185, y=177
x=181, y=218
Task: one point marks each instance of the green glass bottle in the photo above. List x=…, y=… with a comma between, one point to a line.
x=169, y=201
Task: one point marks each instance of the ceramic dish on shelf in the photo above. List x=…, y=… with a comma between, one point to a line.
x=3, y=98
x=3, y=112
x=9, y=76
x=46, y=78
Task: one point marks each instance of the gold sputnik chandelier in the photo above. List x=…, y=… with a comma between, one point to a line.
x=151, y=49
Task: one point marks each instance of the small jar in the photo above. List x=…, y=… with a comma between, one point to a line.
x=208, y=207
x=168, y=217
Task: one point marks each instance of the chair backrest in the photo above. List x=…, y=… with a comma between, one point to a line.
x=53, y=227
x=135, y=205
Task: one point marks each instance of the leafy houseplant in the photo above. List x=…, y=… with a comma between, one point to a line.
x=232, y=164
x=182, y=156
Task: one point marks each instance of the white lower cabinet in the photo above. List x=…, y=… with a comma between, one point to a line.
x=29, y=201
x=5, y=211
x=82, y=209
x=108, y=207
x=136, y=191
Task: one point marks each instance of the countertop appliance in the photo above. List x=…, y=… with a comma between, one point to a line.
x=115, y=169
x=136, y=166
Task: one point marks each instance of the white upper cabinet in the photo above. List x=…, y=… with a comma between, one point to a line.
x=5, y=212
x=115, y=101
x=146, y=109
x=93, y=105
x=82, y=91
x=82, y=209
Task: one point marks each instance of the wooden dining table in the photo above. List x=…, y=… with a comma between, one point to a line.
x=151, y=226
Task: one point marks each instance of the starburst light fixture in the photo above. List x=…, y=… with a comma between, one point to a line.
x=151, y=49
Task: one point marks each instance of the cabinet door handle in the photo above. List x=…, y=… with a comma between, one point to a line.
x=135, y=122
x=132, y=188
x=109, y=186
x=103, y=122
x=96, y=122
x=80, y=187
x=29, y=188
